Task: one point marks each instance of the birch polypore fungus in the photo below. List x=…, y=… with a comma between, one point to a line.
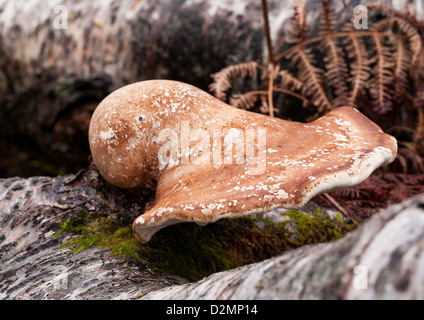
x=209, y=160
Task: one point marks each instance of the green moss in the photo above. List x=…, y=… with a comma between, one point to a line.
x=194, y=252
x=75, y=225
x=96, y=231
x=314, y=227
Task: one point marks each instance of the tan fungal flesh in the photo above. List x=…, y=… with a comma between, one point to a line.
x=290, y=163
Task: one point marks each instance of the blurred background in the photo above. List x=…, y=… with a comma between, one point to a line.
x=60, y=58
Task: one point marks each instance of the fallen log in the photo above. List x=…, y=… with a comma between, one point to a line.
x=383, y=259
x=34, y=265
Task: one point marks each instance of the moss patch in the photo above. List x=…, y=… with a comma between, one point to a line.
x=194, y=252
x=304, y=229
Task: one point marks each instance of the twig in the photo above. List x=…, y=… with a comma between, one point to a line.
x=339, y=207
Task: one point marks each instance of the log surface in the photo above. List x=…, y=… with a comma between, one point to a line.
x=383, y=259
x=34, y=265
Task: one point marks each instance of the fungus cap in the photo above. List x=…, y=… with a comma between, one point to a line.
x=213, y=161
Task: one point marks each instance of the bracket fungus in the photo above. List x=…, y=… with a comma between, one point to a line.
x=209, y=160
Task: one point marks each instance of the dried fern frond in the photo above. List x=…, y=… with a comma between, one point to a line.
x=360, y=69
x=403, y=62
x=358, y=61
x=298, y=22
x=246, y=101
x=407, y=23
x=420, y=97
x=392, y=12
x=381, y=88
x=224, y=78
x=382, y=26
x=312, y=78
x=336, y=69
x=328, y=20
x=288, y=81
x=378, y=64
x=419, y=70
x=415, y=40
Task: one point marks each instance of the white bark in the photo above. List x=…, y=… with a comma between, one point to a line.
x=33, y=265
x=383, y=259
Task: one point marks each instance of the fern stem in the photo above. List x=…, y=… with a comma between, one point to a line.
x=259, y=92
x=380, y=69
x=275, y=89
x=294, y=94
x=270, y=87
x=271, y=63
x=267, y=32
x=357, y=73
